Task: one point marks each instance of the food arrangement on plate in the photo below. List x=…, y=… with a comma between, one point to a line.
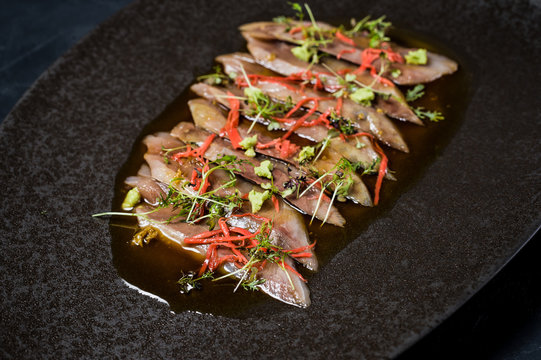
x=279, y=136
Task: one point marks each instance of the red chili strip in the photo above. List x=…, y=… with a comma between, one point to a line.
x=232, y=123
x=369, y=55
x=208, y=259
x=287, y=266
x=344, y=51
x=204, y=147
x=267, y=145
x=194, y=177
x=187, y=153
x=286, y=148
x=215, y=239
x=338, y=109
x=295, y=30
x=205, y=234
x=300, y=121
x=301, y=255
x=223, y=226
x=345, y=39
x=382, y=165
x=303, y=248
x=276, y=203
x=240, y=231
x=226, y=258
x=206, y=184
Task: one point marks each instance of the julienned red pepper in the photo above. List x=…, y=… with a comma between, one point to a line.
x=223, y=226
x=345, y=39
x=211, y=240
x=295, y=30
x=206, y=234
x=222, y=238
x=187, y=153
x=233, y=121
x=382, y=165
x=302, y=248
x=339, y=103
x=206, y=184
x=344, y=51
x=301, y=255
x=276, y=203
x=369, y=55
x=200, y=152
x=240, y=230
x=290, y=268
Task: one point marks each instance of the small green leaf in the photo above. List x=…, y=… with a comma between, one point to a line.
x=415, y=93
x=434, y=116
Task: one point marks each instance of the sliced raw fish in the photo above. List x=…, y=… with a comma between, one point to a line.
x=210, y=118
x=307, y=203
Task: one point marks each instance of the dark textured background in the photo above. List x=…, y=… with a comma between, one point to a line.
x=58, y=300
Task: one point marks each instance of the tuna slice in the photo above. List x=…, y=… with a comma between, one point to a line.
x=280, y=283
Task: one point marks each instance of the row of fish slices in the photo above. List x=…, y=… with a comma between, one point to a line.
x=288, y=229
x=277, y=56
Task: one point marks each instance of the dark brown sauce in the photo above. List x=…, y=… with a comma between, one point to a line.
x=156, y=267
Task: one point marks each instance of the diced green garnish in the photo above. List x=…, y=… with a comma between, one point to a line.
x=288, y=192
x=132, y=198
x=273, y=125
x=257, y=199
x=416, y=57
x=306, y=153
x=362, y=96
x=302, y=52
x=250, y=152
x=264, y=169
x=249, y=142
x=396, y=73
x=350, y=77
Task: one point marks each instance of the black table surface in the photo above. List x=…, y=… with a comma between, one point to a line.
x=502, y=321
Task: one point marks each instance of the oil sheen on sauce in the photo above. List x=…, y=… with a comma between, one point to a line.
x=155, y=268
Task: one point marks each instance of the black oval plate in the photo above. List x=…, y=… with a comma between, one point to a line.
x=64, y=142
